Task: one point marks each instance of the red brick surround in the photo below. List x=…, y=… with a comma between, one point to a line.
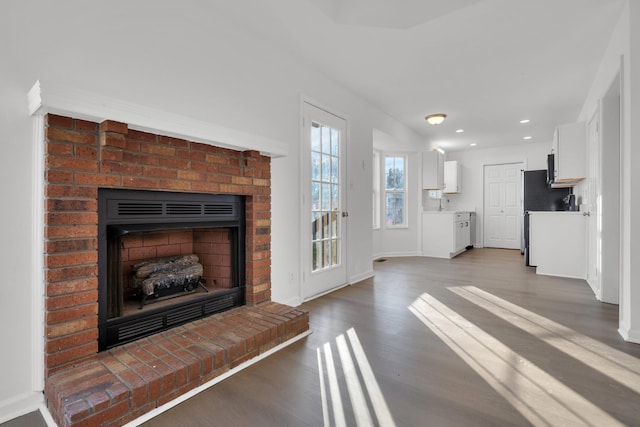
x=82, y=156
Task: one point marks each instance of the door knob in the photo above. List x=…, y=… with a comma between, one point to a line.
x=586, y=213
x=345, y=214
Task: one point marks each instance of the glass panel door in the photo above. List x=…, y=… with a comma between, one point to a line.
x=323, y=153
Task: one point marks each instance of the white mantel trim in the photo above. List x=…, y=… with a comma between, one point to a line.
x=50, y=98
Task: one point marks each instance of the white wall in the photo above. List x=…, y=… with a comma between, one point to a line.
x=171, y=57
x=16, y=288
x=533, y=155
x=624, y=44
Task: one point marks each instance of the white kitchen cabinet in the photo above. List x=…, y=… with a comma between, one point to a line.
x=432, y=170
x=452, y=177
x=570, y=153
x=557, y=243
x=445, y=234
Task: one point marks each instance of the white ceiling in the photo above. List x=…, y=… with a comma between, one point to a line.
x=487, y=64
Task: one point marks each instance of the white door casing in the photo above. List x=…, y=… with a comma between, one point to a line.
x=592, y=205
x=502, y=216
x=324, y=216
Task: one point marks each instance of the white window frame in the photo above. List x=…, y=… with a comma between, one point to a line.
x=402, y=191
x=377, y=179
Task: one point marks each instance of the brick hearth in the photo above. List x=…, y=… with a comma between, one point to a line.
x=122, y=384
x=87, y=387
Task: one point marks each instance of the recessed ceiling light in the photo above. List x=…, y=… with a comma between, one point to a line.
x=473, y=144
x=523, y=121
x=459, y=130
x=527, y=137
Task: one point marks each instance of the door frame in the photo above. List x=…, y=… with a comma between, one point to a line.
x=304, y=171
x=522, y=162
x=610, y=113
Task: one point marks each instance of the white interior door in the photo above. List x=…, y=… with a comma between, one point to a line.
x=502, y=216
x=609, y=197
x=323, y=211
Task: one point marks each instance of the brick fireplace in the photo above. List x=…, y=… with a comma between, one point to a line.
x=85, y=386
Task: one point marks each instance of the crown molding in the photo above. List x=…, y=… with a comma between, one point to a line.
x=48, y=98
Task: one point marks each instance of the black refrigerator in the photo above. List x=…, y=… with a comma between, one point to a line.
x=537, y=195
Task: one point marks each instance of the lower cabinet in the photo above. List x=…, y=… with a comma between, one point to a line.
x=557, y=243
x=445, y=234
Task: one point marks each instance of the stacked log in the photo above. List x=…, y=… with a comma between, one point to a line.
x=167, y=272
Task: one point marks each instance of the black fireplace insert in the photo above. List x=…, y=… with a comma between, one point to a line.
x=165, y=259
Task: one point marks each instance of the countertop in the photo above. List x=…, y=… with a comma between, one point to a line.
x=446, y=212
x=556, y=212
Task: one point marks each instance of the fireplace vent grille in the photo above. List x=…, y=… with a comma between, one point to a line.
x=221, y=304
x=137, y=209
x=126, y=333
x=123, y=207
x=184, y=315
x=184, y=209
x=133, y=208
x=218, y=209
x=150, y=321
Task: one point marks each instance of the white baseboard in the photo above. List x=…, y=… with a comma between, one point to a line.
x=19, y=405
x=396, y=254
x=362, y=276
x=629, y=335
x=48, y=418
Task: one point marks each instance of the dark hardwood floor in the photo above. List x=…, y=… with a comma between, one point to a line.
x=479, y=340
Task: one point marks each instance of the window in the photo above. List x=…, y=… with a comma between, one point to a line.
x=325, y=196
x=376, y=190
x=395, y=190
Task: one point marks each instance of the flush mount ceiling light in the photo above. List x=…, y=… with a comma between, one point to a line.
x=523, y=121
x=435, y=119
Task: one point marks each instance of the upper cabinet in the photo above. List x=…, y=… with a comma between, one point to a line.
x=452, y=177
x=432, y=170
x=570, y=154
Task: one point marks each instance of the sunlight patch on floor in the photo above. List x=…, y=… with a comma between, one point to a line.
x=367, y=402
x=334, y=388
x=539, y=397
x=619, y=366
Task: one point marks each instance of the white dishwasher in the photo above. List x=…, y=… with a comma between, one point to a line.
x=462, y=234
